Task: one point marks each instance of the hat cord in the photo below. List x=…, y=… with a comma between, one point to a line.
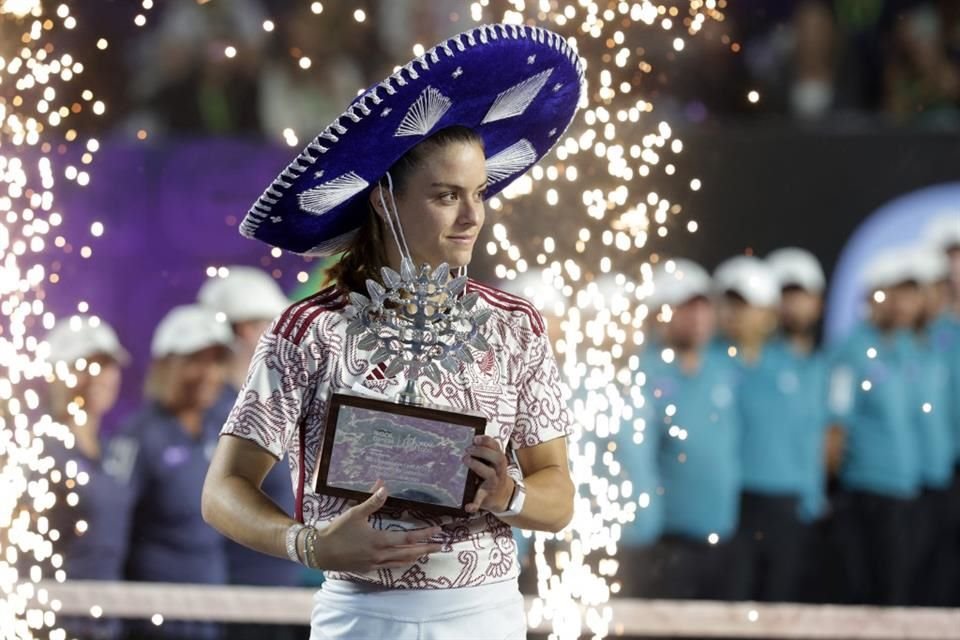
x=393, y=220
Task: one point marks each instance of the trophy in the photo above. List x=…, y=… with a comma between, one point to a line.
x=419, y=321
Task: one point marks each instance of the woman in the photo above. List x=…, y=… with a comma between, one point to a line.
x=502, y=94
x=169, y=541
x=87, y=358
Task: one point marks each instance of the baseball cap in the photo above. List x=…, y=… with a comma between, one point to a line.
x=887, y=268
x=927, y=264
x=187, y=329
x=944, y=231
x=797, y=267
x=677, y=281
x=751, y=278
x=246, y=293
x=84, y=337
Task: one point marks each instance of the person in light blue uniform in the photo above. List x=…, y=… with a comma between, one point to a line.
x=685, y=460
x=802, y=284
x=249, y=299
x=169, y=540
x=944, y=233
x=781, y=401
x=87, y=358
x=932, y=407
x=875, y=447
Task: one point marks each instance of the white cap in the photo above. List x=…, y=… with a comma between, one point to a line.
x=944, y=231
x=751, y=278
x=927, y=264
x=188, y=329
x=677, y=281
x=84, y=337
x=246, y=293
x=887, y=268
x=797, y=267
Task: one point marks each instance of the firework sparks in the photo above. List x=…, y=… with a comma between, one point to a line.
x=619, y=162
x=39, y=99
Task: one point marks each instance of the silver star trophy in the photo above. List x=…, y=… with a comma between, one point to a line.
x=420, y=321
x=417, y=321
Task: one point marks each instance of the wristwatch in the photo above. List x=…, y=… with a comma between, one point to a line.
x=517, y=498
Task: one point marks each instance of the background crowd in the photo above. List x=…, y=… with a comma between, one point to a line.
x=770, y=467
x=273, y=69
x=136, y=513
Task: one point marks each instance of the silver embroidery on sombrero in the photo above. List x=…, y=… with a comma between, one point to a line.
x=517, y=98
x=514, y=158
x=328, y=195
x=424, y=113
x=333, y=245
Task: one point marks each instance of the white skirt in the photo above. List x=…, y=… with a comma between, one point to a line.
x=344, y=609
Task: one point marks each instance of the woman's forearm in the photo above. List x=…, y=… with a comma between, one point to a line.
x=239, y=510
x=548, y=505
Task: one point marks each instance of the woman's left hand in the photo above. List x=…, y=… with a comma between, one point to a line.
x=488, y=461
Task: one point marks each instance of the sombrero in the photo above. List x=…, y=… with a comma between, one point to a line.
x=517, y=86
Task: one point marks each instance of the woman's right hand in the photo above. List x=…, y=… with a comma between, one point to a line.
x=349, y=543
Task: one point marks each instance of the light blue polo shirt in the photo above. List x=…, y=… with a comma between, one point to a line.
x=929, y=379
x=783, y=405
x=870, y=398
x=690, y=451
x=945, y=340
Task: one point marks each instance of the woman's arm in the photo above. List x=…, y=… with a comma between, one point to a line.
x=549, y=501
x=233, y=504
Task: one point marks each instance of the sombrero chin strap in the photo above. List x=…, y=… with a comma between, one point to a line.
x=393, y=220
x=396, y=229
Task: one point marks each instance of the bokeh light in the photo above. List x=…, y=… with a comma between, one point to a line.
x=615, y=183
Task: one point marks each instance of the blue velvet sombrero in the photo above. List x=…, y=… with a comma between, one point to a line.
x=518, y=87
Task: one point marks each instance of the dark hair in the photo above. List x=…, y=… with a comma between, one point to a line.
x=367, y=252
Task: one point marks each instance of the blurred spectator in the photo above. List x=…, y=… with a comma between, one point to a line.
x=922, y=81
x=197, y=71
x=944, y=234
x=689, y=451
x=305, y=99
x=802, y=285
x=169, y=540
x=250, y=299
x=879, y=459
x=781, y=399
x=94, y=529
x=929, y=376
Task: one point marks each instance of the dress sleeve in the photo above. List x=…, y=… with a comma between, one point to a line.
x=276, y=392
x=542, y=412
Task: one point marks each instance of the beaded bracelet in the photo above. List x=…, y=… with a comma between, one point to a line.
x=311, y=549
x=293, y=534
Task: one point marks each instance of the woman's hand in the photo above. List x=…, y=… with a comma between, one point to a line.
x=349, y=543
x=488, y=461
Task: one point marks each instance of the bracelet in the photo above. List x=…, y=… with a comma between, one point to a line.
x=302, y=548
x=293, y=533
x=310, y=549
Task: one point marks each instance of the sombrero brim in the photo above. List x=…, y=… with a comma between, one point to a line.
x=517, y=86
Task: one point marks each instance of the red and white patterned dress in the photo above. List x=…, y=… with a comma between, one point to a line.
x=306, y=354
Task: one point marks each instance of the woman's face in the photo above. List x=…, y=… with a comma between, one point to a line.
x=196, y=379
x=441, y=206
x=100, y=386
